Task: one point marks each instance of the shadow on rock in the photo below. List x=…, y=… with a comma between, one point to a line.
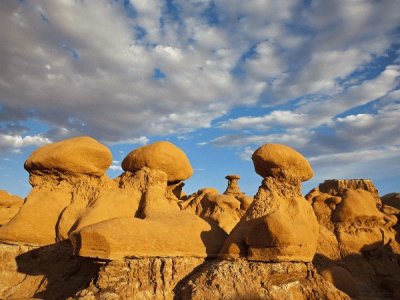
x=368, y=274
x=63, y=274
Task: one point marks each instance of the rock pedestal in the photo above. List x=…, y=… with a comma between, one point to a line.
x=280, y=224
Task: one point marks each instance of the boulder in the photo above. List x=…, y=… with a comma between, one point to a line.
x=280, y=161
x=163, y=156
x=9, y=206
x=79, y=155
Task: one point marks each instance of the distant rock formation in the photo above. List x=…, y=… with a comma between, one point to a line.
x=225, y=210
x=9, y=206
x=279, y=225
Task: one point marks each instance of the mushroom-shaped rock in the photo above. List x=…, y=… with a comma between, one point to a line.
x=163, y=156
x=280, y=161
x=81, y=155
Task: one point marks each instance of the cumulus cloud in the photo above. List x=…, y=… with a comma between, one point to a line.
x=123, y=71
x=17, y=141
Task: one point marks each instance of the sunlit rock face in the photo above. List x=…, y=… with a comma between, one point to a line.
x=64, y=176
x=225, y=209
x=352, y=217
x=9, y=206
x=280, y=224
x=357, y=233
x=82, y=235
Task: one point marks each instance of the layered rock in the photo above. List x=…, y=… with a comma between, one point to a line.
x=242, y=279
x=280, y=224
x=146, y=278
x=9, y=206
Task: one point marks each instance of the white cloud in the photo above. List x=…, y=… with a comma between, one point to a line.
x=296, y=138
x=87, y=67
x=17, y=141
x=246, y=153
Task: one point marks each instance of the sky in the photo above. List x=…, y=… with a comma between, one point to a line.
x=218, y=78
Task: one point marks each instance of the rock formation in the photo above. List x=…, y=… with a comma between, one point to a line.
x=279, y=225
x=82, y=235
x=356, y=234
x=9, y=206
x=349, y=218
x=225, y=210
x=63, y=176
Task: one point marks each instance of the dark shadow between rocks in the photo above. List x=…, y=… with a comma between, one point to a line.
x=213, y=239
x=376, y=272
x=63, y=273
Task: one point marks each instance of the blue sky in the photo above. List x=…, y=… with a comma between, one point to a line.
x=217, y=78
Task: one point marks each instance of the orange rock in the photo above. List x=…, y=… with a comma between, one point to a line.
x=82, y=155
x=158, y=229
x=280, y=224
x=9, y=206
x=281, y=161
x=163, y=156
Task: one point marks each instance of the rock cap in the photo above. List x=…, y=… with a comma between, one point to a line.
x=163, y=156
x=280, y=161
x=78, y=155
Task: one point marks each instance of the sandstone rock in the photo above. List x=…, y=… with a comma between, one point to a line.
x=336, y=187
x=163, y=156
x=66, y=177
x=159, y=229
x=281, y=161
x=9, y=206
x=280, y=224
x=233, y=185
x=242, y=279
x=225, y=210
x=82, y=155
x=352, y=215
x=49, y=272
x=146, y=278
x=35, y=223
